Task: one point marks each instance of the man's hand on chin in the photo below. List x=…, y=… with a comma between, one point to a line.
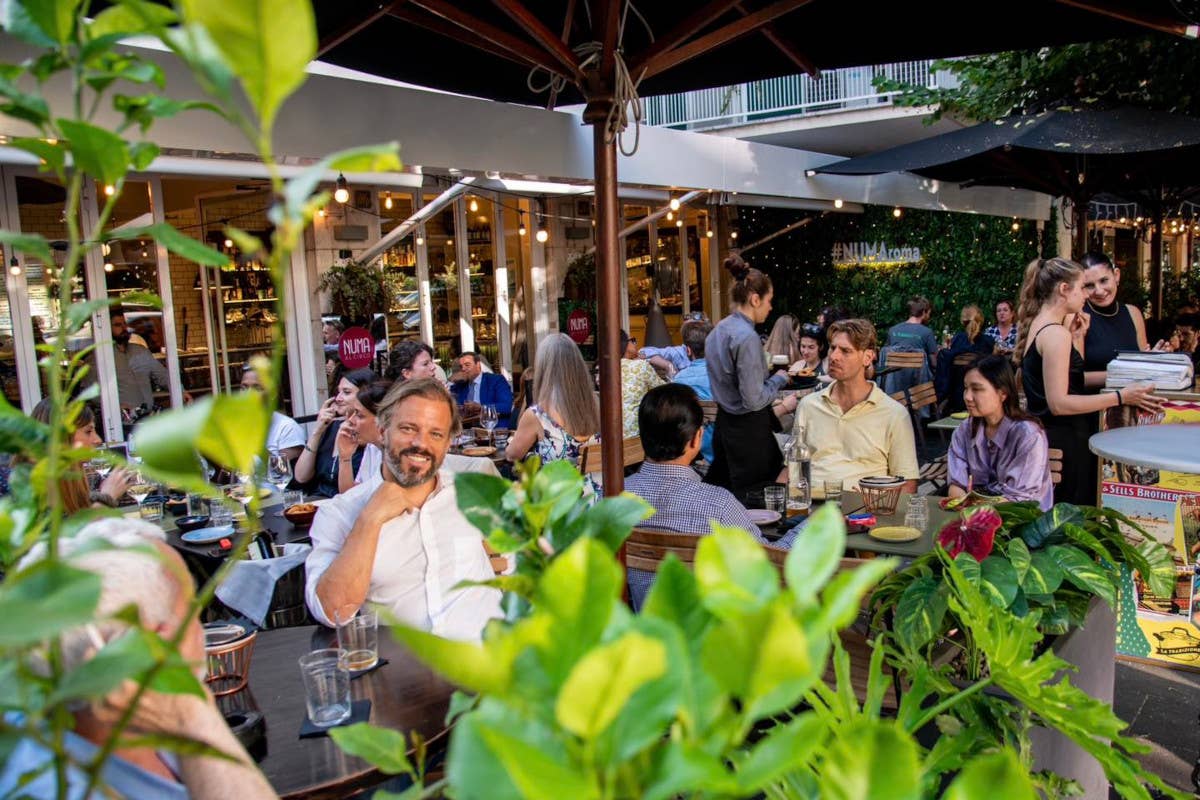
x=389, y=501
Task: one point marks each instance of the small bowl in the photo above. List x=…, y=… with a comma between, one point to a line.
x=192, y=523
x=301, y=515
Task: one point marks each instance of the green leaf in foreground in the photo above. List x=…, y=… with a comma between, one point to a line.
x=992, y=775
x=382, y=747
x=178, y=243
x=98, y=152
x=44, y=600
x=603, y=681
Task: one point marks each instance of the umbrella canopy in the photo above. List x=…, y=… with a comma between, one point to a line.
x=604, y=52
x=1076, y=153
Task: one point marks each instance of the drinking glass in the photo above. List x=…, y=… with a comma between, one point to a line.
x=775, y=498
x=100, y=467
x=151, y=509
x=140, y=488
x=326, y=687
x=833, y=492
x=799, y=497
x=917, y=514
x=197, y=505
x=279, y=470
x=293, y=498
x=221, y=515
x=488, y=418
x=358, y=639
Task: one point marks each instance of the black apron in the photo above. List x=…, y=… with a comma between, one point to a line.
x=746, y=454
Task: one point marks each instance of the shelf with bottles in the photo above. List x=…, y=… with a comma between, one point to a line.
x=403, y=255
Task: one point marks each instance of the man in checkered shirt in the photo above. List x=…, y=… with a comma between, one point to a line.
x=672, y=428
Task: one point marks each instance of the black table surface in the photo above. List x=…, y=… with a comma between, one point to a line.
x=273, y=523
x=405, y=696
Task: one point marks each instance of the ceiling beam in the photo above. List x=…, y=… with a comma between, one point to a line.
x=609, y=18
x=718, y=38
x=1126, y=13
x=568, y=21
x=695, y=22
x=480, y=30
x=429, y=22
x=553, y=45
x=347, y=31
x=802, y=62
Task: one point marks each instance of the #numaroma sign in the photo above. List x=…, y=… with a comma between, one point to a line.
x=851, y=254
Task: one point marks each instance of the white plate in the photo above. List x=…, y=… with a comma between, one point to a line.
x=208, y=535
x=761, y=516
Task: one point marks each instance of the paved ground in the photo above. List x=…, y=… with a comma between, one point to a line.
x=1161, y=706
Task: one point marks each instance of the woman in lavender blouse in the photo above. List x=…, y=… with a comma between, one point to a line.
x=1000, y=450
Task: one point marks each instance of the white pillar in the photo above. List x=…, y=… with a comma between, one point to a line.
x=163, y=268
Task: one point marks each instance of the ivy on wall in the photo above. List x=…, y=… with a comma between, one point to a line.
x=965, y=258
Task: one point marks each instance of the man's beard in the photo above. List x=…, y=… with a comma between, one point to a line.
x=413, y=477
x=121, y=338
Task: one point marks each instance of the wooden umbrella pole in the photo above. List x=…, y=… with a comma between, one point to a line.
x=608, y=278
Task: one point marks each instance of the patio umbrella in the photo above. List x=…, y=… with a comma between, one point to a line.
x=602, y=52
x=1135, y=153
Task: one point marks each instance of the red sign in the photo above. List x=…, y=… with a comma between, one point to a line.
x=579, y=326
x=356, y=348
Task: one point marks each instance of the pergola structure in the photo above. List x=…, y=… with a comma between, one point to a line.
x=605, y=53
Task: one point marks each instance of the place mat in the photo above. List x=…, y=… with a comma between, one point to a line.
x=359, y=673
x=360, y=711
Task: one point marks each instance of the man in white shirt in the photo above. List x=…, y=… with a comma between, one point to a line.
x=398, y=540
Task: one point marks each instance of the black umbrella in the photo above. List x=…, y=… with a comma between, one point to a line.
x=599, y=51
x=1135, y=153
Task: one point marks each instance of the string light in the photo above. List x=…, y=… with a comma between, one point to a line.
x=521, y=229
x=109, y=190
x=679, y=223
x=674, y=204
x=542, y=234
x=838, y=203
x=473, y=206
x=670, y=216
x=14, y=267
x=420, y=240
x=108, y=266
x=387, y=200
x=896, y=212
x=342, y=191
x=228, y=243
x=321, y=213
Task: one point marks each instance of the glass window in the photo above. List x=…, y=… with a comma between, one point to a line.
x=443, y=282
x=9, y=380
x=403, y=320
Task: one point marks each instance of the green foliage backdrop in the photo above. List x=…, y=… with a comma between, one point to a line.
x=965, y=258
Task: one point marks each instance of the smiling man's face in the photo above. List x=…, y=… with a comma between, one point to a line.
x=416, y=439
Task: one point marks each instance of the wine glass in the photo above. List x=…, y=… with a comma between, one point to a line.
x=488, y=418
x=279, y=470
x=139, y=488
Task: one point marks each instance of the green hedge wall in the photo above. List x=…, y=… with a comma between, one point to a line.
x=965, y=258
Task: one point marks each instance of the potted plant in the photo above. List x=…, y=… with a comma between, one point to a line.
x=356, y=291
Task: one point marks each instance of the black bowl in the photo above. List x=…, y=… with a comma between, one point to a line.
x=186, y=524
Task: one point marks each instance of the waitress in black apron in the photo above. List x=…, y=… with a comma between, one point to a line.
x=746, y=455
x=1113, y=326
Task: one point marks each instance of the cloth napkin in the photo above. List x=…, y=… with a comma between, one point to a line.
x=250, y=584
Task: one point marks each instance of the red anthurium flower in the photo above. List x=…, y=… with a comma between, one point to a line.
x=972, y=534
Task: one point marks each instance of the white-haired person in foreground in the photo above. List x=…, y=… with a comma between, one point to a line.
x=159, y=585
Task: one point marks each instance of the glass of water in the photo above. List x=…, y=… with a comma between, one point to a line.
x=775, y=498
x=358, y=639
x=917, y=514
x=326, y=687
x=833, y=492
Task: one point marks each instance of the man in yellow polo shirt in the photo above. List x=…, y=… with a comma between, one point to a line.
x=852, y=428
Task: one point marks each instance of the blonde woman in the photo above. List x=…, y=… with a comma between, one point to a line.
x=566, y=414
x=784, y=341
x=972, y=339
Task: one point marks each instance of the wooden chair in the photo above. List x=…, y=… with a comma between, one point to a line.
x=904, y=359
x=646, y=549
x=1056, y=465
x=923, y=395
x=935, y=473
x=590, y=459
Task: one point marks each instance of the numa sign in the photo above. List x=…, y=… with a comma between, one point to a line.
x=847, y=253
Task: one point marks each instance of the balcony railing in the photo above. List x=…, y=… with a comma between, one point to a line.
x=792, y=96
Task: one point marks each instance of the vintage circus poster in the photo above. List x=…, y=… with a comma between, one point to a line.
x=1167, y=506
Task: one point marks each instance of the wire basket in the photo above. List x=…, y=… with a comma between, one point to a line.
x=228, y=646
x=879, y=496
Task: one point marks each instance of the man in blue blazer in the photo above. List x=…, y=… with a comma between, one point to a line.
x=472, y=388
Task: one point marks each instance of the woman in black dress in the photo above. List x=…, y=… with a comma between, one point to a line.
x=1113, y=326
x=1051, y=331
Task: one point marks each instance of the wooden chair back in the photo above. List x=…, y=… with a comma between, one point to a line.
x=905, y=359
x=710, y=411
x=900, y=397
x=499, y=562
x=1056, y=465
x=632, y=453
x=921, y=395
x=646, y=549
x=964, y=359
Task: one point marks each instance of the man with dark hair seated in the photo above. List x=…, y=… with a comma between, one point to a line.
x=672, y=426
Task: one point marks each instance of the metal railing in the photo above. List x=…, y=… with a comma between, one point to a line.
x=791, y=96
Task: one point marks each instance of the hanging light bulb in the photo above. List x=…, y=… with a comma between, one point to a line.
x=449, y=243
x=838, y=203
x=1016, y=226
x=109, y=190
x=228, y=243
x=542, y=234
x=342, y=191
x=387, y=200
x=321, y=213
x=420, y=240
x=733, y=235
x=679, y=223
x=1123, y=220
x=708, y=233
x=473, y=206
x=108, y=266
x=521, y=229
x=674, y=204
x=14, y=267
x=670, y=216
x=896, y=212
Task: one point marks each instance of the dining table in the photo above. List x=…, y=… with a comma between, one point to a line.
x=405, y=696
x=865, y=543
